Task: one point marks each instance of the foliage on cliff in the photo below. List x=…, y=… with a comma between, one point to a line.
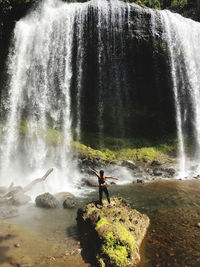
x=116, y=230
x=108, y=148
x=11, y=10
x=187, y=8
x=138, y=154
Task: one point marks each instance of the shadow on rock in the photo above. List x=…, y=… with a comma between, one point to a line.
x=88, y=237
x=111, y=234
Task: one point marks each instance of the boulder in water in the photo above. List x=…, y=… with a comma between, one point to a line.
x=46, y=200
x=155, y=163
x=61, y=196
x=90, y=182
x=157, y=172
x=171, y=171
x=111, y=234
x=69, y=203
x=140, y=181
x=129, y=164
x=149, y=171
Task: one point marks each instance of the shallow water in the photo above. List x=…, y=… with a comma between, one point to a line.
x=174, y=210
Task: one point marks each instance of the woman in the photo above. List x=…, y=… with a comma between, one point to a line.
x=102, y=184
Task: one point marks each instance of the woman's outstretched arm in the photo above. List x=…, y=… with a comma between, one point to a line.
x=95, y=172
x=111, y=177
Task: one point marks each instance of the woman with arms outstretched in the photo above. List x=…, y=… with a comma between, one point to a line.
x=102, y=184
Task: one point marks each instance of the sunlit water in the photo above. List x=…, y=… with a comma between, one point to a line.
x=183, y=37
x=172, y=206
x=38, y=103
x=37, y=130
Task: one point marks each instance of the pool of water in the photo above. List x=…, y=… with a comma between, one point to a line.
x=172, y=206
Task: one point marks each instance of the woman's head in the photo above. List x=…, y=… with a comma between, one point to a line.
x=101, y=173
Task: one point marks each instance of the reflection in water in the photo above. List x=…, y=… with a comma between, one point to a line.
x=174, y=211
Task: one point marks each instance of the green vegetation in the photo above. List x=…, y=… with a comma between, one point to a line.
x=116, y=242
x=115, y=149
x=51, y=136
x=135, y=154
x=100, y=142
x=186, y=8
x=161, y=4
x=115, y=251
x=100, y=223
x=110, y=149
x=150, y=3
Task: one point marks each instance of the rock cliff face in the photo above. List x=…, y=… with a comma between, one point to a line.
x=10, y=12
x=111, y=235
x=120, y=81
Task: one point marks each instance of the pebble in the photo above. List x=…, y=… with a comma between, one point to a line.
x=198, y=224
x=67, y=253
x=17, y=245
x=51, y=258
x=76, y=251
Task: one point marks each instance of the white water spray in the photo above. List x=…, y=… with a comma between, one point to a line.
x=37, y=132
x=38, y=127
x=182, y=37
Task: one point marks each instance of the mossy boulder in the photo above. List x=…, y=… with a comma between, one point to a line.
x=111, y=235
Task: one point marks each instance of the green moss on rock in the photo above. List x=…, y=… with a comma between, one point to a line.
x=160, y=152
x=101, y=223
x=118, y=245
x=116, y=229
x=115, y=252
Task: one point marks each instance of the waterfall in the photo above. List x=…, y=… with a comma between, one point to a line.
x=183, y=37
x=38, y=128
x=53, y=49
x=37, y=132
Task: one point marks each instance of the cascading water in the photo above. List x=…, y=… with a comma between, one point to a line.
x=39, y=97
x=37, y=132
x=48, y=64
x=183, y=37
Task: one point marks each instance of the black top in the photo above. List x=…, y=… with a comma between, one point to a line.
x=101, y=181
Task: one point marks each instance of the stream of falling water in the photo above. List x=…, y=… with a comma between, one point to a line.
x=183, y=38
x=37, y=131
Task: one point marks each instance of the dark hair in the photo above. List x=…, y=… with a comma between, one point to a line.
x=101, y=172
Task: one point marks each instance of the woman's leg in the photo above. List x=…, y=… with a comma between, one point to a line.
x=107, y=194
x=100, y=195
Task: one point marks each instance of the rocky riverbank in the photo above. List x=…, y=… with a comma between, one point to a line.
x=111, y=234
x=138, y=171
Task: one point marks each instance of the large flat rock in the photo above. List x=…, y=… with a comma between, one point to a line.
x=111, y=234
